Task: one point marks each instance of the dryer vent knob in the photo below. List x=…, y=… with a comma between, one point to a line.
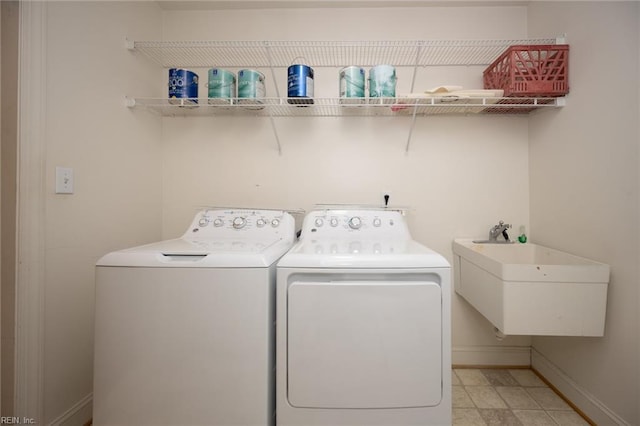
x=355, y=222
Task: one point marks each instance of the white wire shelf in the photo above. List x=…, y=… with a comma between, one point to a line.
x=261, y=54
x=333, y=107
x=279, y=54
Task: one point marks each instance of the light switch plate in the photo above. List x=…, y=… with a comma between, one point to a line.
x=64, y=180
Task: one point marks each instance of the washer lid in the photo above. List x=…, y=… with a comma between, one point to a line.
x=224, y=253
x=362, y=254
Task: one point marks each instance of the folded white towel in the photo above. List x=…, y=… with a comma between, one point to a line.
x=477, y=96
x=443, y=89
x=459, y=94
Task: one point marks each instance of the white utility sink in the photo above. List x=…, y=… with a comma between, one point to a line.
x=527, y=289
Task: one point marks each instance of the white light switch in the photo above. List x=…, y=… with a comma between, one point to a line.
x=64, y=180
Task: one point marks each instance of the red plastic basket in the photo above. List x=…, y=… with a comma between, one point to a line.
x=530, y=70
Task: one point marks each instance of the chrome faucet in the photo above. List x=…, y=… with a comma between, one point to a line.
x=500, y=228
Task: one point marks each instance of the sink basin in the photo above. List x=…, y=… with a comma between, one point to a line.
x=528, y=289
x=492, y=242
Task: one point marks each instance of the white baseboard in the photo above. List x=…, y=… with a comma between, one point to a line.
x=516, y=356
x=78, y=415
x=580, y=397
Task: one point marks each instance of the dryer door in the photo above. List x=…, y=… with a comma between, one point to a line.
x=364, y=344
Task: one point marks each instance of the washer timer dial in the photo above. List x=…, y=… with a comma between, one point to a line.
x=239, y=222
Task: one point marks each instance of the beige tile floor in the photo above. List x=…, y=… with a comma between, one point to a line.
x=510, y=397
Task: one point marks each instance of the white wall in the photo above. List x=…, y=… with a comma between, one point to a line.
x=585, y=187
x=115, y=155
x=461, y=175
x=140, y=178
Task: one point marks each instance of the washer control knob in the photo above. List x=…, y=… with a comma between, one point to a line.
x=239, y=222
x=377, y=222
x=319, y=222
x=334, y=222
x=218, y=223
x=275, y=223
x=204, y=221
x=261, y=222
x=355, y=222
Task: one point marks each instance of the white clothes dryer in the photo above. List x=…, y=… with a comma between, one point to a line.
x=184, y=328
x=363, y=324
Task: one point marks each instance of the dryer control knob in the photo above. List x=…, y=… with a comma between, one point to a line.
x=334, y=222
x=204, y=221
x=239, y=222
x=319, y=222
x=261, y=223
x=275, y=223
x=377, y=222
x=355, y=222
x=218, y=223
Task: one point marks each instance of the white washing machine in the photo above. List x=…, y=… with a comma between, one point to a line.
x=184, y=328
x=363, y=324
